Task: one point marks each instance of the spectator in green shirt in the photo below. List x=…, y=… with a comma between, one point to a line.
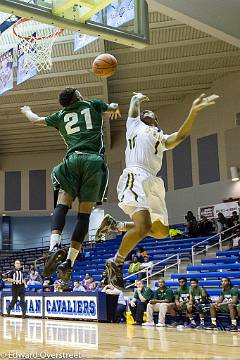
x=162, y=302
x=182, y=296
x=227, y=303
x=139, y=302
x=199, y=302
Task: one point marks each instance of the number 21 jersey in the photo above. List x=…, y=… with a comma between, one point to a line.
x=81, y=126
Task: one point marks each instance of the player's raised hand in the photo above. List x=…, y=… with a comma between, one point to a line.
x=25, y=109
x=202, y=102
x=140, y=97
x=113, y=111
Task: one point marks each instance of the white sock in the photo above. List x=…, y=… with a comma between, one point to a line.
x=214, y=321
x=54, y=240
x=72, y=255
x=234, y=322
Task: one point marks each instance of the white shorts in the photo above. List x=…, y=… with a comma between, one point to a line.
x=139, y=190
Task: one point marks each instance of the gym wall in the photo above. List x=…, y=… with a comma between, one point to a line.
x=196, y=173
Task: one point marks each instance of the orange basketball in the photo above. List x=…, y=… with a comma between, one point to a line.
x=104, y=65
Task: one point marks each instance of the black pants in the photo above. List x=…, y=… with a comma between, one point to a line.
x=18, y=291
x=121, y=313
x=138, y=311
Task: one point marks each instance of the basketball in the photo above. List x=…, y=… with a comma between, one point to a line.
x=104, y=65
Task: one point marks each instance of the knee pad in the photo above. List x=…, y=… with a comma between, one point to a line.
x=55, y=197
x=81, y=228
x=59, y=217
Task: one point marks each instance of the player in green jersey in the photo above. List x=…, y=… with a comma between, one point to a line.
x=198, y=302
x=227, y=303
x=182, y=296
x=83, y=173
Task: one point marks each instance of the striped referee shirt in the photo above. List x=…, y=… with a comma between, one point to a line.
x=17, y=276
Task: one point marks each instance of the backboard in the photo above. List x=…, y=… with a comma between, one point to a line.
x=121, y=21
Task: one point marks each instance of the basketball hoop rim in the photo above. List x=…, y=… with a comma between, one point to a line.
x=37, y=38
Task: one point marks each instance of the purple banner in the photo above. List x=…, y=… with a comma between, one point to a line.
x=24, y=72
x=81, y=40
x=6, y=71
x=120, y=12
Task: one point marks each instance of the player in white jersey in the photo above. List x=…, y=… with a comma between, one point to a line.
x=141, y=193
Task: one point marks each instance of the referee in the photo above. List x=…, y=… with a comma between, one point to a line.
x=16, y=277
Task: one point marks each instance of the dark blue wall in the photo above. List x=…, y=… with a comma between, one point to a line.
x=28, y=231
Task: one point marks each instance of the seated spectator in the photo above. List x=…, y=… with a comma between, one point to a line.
x=130, y=256
x=58, y=285
x=32, y=267
x=226, y=303
x=77, y=286
x=34, y=278
x=205, y=226
x=104, y=279
x=88, y=283
x=162, y=302
x=47, y=285
x=45, y=257
x=235, y=241
x=140, y=253
x=175, y=233
x=235, y=218
x=121, y=306
x=139, y=302
x=191, y=225
x=182, y=296
x=147, y=265
x=2, y=284
x=199, y=302
x=223, y=223
x=134, y=266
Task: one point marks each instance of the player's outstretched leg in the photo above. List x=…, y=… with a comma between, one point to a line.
x=57, y=254
x=142, y=226
x=159, y=230
x=110, y=225
x=78, y=236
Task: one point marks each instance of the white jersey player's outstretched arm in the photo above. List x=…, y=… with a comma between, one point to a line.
x=134, y=108
x=199, y=104
x=33, y=118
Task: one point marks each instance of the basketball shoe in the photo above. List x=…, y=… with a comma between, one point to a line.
x=55, y=257
x=108, y=225
x=114, y=273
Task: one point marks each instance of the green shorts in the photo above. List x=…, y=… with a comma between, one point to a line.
x=224, y=308
x=84, y=176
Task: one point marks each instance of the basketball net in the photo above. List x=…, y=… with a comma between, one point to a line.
x=35, y=43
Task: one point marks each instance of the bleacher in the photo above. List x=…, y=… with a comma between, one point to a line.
x=26, y=256
x=226, y=263
x=211, y=270
x=95, y=258
x=158, y=250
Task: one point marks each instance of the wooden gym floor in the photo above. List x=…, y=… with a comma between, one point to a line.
x=46, y=338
